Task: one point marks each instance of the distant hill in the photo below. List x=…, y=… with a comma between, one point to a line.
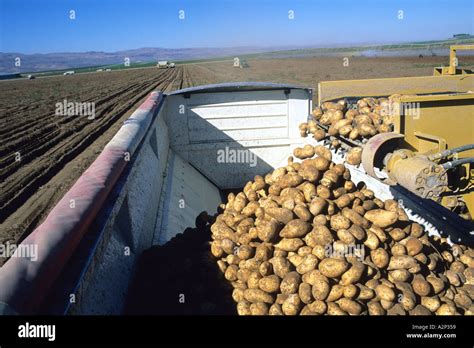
x=60, y=61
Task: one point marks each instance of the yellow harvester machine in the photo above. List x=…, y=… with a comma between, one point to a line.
x=430, y=151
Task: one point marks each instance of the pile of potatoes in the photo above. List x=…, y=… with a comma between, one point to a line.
x=370, y=117
x=286, y=244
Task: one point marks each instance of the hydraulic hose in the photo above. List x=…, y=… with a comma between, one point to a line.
x=449, y=152
x=452, y=164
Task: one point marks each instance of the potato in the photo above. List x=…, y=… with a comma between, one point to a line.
x=216, y=249
x=336, y=292
x=290, y=180
x=324, y=152
x=420, y=310
x=365, y=293
x=265, y=268
x=290, y=283
x=302, y=212
x=318, y=307
x=379, y=257
x=354, y=156
x=281, y=266
x=309, y=173
x=245, y=252
x=267, y=230
x=231, y=273
x=304, y=293
x=446, y=309
x=295, y=259
x=253, y=279
x=320, y=235
x=385, y=293
x=259, y=308
x=263, y=253
x=270, y=284
x=431, y=303
x=421, y=286
x=355, y=218
x=317, y=113
x=346, y=237
x=372, y=242
x=320, y=289
x=330, y=179
x=275, y=309
x=375, y=308
x=334, y=309
x=317, y=206
x=289, y=244
x=309, y=263
x=243, y=308
x=401, y=262
x=354, y=134
x=319, y=134
x=350, y=291
x=357, y=232
x=333, y=268
x=396, y=309
x=381, y=218
x=339, y=222
x=280, y=214
x=399, y=275
x=220, y=231
x=257, y=295
x=354, y=274
x=295, y=228
x=349, y=306
x=292, y=305
x=462, y=300
x=345, y=130
x=306, y=151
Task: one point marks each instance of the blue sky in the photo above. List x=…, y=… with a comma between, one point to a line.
x=42, y=26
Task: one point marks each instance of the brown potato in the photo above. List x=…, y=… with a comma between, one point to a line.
x=379, y=257
x=292, y=305
x=320, y=235
x=270, y=284
x=354, y=274
x=381, y=218
x=333, y=268
x=309, y=263
x=295, y=228
x=354, y=155
x=323, y=151
x=306, y=151
x=257, y=295
x=349, y=306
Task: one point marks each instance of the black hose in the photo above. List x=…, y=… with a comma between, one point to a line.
x=452, y=164
x=449, y=152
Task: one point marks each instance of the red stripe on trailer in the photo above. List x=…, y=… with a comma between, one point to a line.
x=151, y=102
x=24, y=283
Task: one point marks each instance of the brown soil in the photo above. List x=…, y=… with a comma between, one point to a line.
x=55, y=150
x=308, y=72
